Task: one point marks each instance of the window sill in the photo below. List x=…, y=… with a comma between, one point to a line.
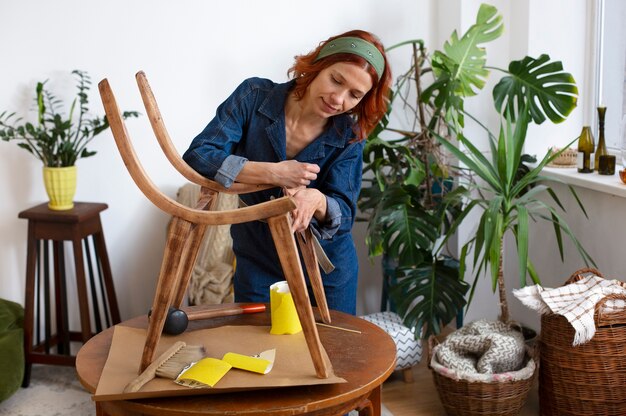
x=609, y=184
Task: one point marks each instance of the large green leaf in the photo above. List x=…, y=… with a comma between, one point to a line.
x=540, y=86
x=460, y=67
x=407, y=228
x=439, y=292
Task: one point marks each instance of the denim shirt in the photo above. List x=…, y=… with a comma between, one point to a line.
x=250, y=125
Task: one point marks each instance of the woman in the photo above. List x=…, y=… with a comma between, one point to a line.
x=306, y=138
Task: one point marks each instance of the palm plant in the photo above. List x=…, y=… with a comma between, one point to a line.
x=509, y=203
x=532, y=90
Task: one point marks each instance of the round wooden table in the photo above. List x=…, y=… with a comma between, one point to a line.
x=364, y=360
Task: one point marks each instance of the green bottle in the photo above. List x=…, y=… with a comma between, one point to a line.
x=601, y=150
x=585, y=159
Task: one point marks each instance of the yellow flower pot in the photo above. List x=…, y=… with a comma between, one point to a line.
x=60, y=185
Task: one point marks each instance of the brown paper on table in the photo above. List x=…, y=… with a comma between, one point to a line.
x=293, y=365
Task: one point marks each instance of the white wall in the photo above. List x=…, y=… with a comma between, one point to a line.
x=194, y=53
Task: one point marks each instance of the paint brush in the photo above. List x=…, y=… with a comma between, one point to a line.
x=168, y=365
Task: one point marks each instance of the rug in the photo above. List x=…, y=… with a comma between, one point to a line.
x=53, y=390
x=56, y=391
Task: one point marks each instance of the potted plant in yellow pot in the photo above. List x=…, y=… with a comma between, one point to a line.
x=56, y=140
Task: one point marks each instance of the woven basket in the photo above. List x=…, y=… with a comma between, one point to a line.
x=566, y=159
x=467, y=398
x=587, y=379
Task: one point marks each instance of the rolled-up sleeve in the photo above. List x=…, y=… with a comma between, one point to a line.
x=229, y=170
x=341, y=186
x=211, y=152
x=331, y=223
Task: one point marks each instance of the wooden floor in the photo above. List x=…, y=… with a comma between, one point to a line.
x=420, y=397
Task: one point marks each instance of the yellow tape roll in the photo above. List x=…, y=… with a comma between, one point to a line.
x=283, y=310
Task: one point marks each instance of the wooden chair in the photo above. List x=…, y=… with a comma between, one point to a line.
x=188, y=225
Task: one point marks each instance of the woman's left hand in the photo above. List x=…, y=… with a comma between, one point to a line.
x=309, y=202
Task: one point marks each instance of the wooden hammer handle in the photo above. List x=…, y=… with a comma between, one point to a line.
x=204, y=312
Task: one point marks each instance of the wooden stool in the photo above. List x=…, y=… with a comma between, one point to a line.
x=73, y=225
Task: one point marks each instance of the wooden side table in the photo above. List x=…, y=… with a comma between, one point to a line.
x=46, y=282
x=364, y=360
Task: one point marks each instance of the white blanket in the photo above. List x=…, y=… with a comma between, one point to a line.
x=576, y=302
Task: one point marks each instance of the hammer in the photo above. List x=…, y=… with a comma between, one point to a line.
x=177, y=320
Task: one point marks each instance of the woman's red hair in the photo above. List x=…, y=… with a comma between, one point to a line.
x=374, y=104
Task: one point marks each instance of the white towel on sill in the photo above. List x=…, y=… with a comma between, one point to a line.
x=576, y=302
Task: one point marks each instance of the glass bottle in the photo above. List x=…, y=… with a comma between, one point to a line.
x=585, y=159
x=623, y=138
x=601, y=149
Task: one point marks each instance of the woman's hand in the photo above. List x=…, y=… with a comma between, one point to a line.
x=310, y=202
x=286, y=174
x=294, y=174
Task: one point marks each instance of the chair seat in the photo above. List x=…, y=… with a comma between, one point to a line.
x=408, y=349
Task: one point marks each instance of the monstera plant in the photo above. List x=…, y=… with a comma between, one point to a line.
x=408, y=200
x=416, y=194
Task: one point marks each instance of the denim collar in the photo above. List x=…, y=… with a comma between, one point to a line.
x=273, y=107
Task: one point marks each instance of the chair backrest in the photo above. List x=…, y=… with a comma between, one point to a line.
x=151, y=191
x=163, y=137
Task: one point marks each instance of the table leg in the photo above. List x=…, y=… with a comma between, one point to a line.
x=95, y=304
x=29, y=302
x=376, y=398
x=60, y=290
x=365, y=408
x=101, y=251
x=81, y=290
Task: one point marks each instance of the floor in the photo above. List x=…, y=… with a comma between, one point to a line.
x=420, y=398
x=53, y=390
x=56, y=391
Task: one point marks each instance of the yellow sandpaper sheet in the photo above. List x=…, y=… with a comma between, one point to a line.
x=292, y=367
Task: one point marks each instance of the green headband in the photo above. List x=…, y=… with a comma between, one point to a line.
x=355, y=46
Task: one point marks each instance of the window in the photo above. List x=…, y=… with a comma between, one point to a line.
x=611, y=67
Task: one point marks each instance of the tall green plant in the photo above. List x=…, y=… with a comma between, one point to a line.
x=509, y=203
x=532, y=90
x=412, y=210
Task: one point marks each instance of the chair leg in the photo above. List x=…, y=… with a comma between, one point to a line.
x=280, y=227
x=177, y=237
x=188, y=261
x=207, y=200
x=313, y=270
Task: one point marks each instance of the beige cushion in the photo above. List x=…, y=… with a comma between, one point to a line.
x=211, y=278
